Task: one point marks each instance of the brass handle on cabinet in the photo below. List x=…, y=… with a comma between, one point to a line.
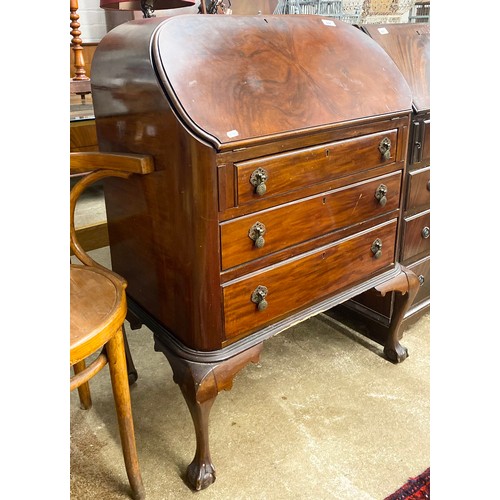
x=259, y=297
x=381, y=194
x=256, y=233
x=421, y=279
x=426, y=232
x=258, y=180
x=385, y=148
x=376, y=248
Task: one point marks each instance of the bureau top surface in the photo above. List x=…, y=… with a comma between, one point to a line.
x=409, y=47
x=237, y=78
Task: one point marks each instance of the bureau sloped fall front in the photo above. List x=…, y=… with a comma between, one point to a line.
x=279, y=145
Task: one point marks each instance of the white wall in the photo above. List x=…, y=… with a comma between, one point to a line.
x=92, y=20
x=96, y=22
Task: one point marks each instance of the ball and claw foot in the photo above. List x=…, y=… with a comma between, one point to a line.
x=132, y=377
x=200, y=476
x=397, y=354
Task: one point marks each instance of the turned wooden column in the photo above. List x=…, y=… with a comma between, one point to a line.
x=76, y=43
x=80, y=83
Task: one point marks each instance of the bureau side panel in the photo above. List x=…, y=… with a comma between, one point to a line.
x=163, y=227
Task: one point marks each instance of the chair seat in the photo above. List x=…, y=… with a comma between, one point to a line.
x=98, y=309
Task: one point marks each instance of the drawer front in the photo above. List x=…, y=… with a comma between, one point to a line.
x=423, y=270
x=419, y=189
x=421, y=146
x=288, y=172
x=416, y=236
x=252, y=237
x=305, y=280
x=426, y=142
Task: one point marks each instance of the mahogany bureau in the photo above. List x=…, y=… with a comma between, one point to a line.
x=280, y=150
x=409, y=47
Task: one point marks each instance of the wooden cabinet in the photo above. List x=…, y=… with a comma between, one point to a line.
x=409, y=47
x=280, y=147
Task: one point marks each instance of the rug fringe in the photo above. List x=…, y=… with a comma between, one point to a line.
x=416, y=488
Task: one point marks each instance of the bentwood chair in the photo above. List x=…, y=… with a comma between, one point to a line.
x=98, y=308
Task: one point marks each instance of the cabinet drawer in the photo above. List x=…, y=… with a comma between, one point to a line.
x=421, y=149
x=419, y=189
x=416, y=236
x=293, y=223
x=423, y=270
x=288, y=172
x=305, y=280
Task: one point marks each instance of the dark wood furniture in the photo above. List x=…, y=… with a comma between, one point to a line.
x=409, y=47
x=280, y=148
x=98, y=307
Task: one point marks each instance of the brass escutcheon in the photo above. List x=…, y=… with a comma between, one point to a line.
x=258, y=179
x=256, y=233
x=259, y=297
x=381, y=194
x=385, y=148
x=376, y=248
x=426, y=232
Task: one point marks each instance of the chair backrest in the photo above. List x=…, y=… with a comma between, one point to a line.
x=92, y=167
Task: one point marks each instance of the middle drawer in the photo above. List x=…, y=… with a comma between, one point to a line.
x=262, y=233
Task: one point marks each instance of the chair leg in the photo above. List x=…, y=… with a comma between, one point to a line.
x=132, y=372
x=84, y=389
x=119, y=380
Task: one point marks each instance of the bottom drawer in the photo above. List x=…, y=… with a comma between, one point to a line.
x=423, y=270
x=302, y=281
x=416, y=237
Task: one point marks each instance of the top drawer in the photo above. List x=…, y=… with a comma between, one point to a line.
x=287, y=172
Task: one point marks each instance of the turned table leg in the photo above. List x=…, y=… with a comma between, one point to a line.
x=406, y=285
x=200, y=384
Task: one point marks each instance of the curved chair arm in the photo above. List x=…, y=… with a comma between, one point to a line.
x=97, y=166
x=88, y=161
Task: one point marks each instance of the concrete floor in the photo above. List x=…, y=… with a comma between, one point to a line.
x=323, y=416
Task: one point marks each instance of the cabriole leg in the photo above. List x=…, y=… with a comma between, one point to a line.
x=406, y=286
x=200, y=384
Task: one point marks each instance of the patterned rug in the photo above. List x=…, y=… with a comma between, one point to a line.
x=417, y=488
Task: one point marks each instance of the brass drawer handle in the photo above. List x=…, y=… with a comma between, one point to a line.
x=376, y=248
x=256, y=233
x=385, y=148
x=381, y=194
x=421, y=279
x=426, y=232
x=259, y=297
x=258, y=180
